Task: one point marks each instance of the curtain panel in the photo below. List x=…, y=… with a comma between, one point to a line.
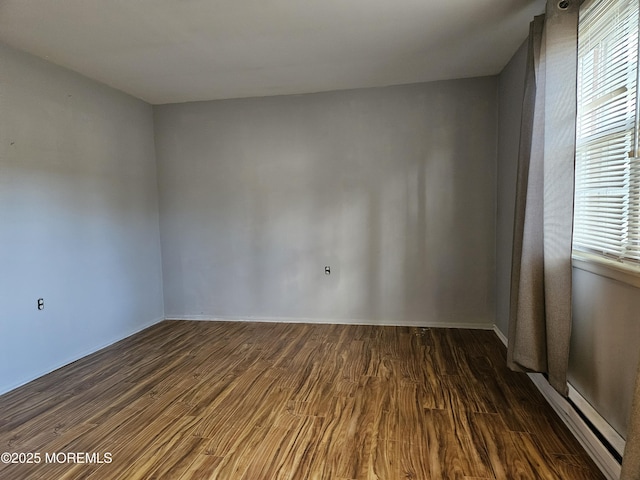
x=540, y=314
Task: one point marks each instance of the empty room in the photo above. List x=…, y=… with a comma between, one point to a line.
x=319, y=240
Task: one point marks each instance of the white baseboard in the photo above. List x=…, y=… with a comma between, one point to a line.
x=501, y=335
x=336, y=321
x=578, y=427
x=7, y=388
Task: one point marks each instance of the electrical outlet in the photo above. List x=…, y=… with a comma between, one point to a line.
x=327, y=270
x=41, y=304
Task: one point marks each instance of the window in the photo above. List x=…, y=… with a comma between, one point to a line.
x=607, y=190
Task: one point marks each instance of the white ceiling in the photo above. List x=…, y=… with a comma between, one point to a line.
x=166, y=51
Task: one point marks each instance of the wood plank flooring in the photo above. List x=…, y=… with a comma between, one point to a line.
x=259, y=401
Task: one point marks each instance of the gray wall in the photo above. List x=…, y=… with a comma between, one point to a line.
x=604, y=343
x=511, y=92
x=394, y=188
x=78, y=217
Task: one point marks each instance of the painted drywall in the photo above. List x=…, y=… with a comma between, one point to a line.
x=604, y=345
x=79, y=222
x=393, y=188
x=511, y=92
x=604, y=350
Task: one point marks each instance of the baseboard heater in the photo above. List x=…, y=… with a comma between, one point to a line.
x=605, y=442
x=604, y=445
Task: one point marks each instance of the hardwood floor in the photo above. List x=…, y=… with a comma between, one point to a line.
x=253, y=401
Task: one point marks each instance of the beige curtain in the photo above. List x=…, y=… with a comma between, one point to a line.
x=631, y=458
x=540, y=315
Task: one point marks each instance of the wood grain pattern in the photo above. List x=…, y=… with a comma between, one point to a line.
x=251, y=401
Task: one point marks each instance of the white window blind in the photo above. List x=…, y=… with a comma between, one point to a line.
x=607, y=190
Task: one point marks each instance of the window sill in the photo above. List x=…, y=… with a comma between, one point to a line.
x=604, y=267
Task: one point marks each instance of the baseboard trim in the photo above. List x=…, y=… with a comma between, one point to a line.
x=501, y=335
x=8, y=388
x=335, y=321
x=601, y=456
